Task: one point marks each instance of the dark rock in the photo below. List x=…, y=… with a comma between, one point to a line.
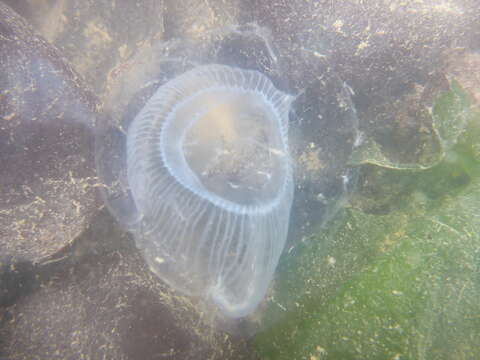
x=47, y=174
x=110, y=306
x=386, y=52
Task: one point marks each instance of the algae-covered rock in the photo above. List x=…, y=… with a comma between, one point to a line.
x=107, y=304
x=399, y=285
x=47, y=184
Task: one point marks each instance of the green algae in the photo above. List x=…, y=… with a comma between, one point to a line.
x=402, y=283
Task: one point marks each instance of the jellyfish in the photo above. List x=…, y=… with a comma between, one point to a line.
x=210, y=175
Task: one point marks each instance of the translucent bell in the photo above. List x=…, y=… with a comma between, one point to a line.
x=210, y=174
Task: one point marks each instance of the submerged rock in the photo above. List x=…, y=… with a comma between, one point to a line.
x=108, y=305
x=47, y=177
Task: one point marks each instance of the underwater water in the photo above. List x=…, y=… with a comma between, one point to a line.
x=239, y=179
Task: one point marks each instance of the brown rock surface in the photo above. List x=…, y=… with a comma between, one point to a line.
x=47, y=175
x=104, y=303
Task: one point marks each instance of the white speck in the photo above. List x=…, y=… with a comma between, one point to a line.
x=345, y=180
x=349, y=88
x=359, y=139
x=232, y=185
x=267, y=175
x=317, y=54
x=331, y=261
x=276, y=152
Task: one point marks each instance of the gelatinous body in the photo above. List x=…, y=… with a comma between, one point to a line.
x=210, y=175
